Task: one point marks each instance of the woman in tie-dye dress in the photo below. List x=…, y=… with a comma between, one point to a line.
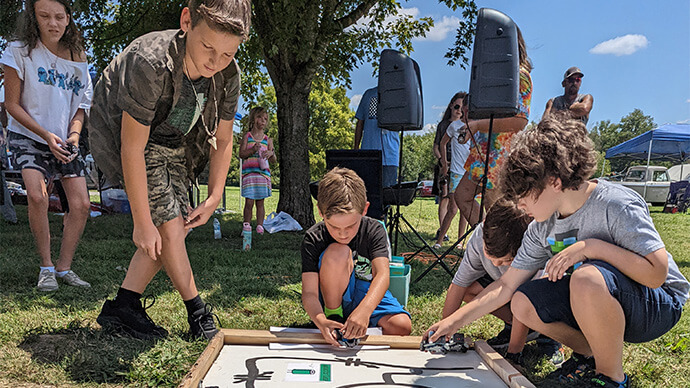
x=256, y=152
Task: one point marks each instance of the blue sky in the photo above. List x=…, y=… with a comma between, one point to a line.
x=634, y=54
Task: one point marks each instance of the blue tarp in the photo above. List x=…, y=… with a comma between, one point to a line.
x=670, y=142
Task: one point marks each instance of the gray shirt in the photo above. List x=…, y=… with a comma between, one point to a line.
x=560, y=103
x=612, y=213
x=474, y=263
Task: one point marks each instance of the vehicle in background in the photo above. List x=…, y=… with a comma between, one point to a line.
x=652, y=182
x=679, y=172
x=424, y=188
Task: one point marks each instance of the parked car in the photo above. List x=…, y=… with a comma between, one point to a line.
x=424, y=188
x=652, y=183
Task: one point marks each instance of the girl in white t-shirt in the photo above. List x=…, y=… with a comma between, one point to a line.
x=47, y=91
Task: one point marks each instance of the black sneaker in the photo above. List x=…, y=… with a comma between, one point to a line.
x=130, y=319
x=201, y=324
x=602, y=381
x=551, y=349
x=577, y=368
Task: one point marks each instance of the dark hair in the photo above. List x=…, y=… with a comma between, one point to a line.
x=503, y=229
x=255, y=111
x=558, y=148
x=525, y=62
x=29, y=34
x=446, y=114
x=231, y=16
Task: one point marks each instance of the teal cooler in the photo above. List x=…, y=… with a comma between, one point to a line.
x=400, y=283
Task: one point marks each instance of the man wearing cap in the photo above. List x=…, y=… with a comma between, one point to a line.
x=579, y=105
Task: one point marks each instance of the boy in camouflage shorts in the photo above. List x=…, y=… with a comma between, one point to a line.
x=162, y=109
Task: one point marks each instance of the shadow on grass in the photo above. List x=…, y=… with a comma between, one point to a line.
x=85, y=354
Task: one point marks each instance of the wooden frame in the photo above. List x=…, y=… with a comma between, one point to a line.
x=498, y=364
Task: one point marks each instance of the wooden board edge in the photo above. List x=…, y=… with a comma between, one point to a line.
x=204, y=362
x=511, y=376
x=264, y=337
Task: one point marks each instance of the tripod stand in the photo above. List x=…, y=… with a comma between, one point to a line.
x=394, y=225
x=439, y=259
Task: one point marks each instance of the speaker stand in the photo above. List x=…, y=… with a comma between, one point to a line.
x=394, y=225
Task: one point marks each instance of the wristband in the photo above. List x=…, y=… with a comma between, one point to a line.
x=70, y=134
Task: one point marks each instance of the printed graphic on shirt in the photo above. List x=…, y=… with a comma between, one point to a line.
x=362, y=267
x=560, y=241
x=373, y=107
x=52, y=77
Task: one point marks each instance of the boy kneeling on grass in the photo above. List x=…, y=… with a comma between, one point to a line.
x=626, y=287
x=345, y=258
x=490, y=250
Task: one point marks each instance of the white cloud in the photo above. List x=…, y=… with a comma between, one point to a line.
x=428, y=128
x=688, y=100
x=438, y=107
x=441, y=29
x=354, y=100
x=364, y=22
x=622, y=45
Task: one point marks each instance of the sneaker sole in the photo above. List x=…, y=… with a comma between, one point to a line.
x=116, y=326
x=48, y=289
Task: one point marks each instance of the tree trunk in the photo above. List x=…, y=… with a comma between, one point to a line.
x=292, y=94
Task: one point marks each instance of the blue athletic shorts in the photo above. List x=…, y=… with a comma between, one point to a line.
x=356, y=291
x=649, y=312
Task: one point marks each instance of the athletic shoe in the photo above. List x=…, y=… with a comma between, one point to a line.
x=577, y=368
x=551, y=349
x=130, y=319
x=47, y=281
x=502, y=339
x=602, y=381
x=437, y=247
x=260, y=229
x=201, y=324
x=73, y=279
x=336, y=318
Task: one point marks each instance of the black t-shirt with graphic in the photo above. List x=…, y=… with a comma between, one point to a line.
x=369, y=243
x=183, y=116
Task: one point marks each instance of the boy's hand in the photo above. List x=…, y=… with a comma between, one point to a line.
x=442, y=328
x=573, y=254
x=328, y=331
x=356, y=325
x=200, y=215
x=148, y=239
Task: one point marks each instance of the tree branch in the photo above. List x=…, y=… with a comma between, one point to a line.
x=356, y=14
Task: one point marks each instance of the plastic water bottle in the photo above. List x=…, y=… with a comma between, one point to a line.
x=216, y=229
x=246, y=236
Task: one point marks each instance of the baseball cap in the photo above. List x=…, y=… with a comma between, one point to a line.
x=572, y=71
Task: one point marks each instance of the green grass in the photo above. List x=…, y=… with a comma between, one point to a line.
x=53, y=339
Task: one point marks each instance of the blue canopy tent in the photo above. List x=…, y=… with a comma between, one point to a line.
x=670, y=142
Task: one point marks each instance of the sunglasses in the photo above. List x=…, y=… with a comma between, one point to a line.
x=572, y=80
x=456, y=106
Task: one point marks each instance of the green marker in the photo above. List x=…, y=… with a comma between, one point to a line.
x=302, y=371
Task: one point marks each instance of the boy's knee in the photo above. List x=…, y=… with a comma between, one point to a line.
x=336, y=254
x=587, y=281
x=522, y=308
x=173, y=231
x=398, y=324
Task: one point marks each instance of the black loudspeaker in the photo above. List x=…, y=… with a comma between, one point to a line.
x=400, y=105
x=367, y=164
x=495, y=78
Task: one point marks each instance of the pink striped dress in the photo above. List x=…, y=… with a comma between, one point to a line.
x=256, y=175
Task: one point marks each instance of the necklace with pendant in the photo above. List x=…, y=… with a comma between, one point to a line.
x=212, y=135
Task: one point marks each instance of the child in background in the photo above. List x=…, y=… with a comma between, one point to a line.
x=345, y=257
x=256, y=151
x=47, y=91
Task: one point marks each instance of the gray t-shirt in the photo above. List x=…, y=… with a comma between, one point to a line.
x=560, y=103
x=612, y=213
x=474, y=263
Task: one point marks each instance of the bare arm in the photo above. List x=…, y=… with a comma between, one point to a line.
x=582, y=108
x=494, y=296
x=246, y=152
x=454, y=298
x=75, y=127
x=357, y=323
x=134, y=137
x=312, y=305
x=547, y=110
x=359, y=127
x=13, y=87
x=507, y=124
x=217, y=173
x=444, y=154
x=650, y=270
x=271, y=152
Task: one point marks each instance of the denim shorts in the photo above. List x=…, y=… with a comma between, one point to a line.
x=356, y=291
x=649, y=312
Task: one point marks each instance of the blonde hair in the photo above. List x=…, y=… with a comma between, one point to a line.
x=257, y=110
x=341, y=191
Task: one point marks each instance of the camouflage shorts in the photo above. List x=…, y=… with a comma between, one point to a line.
x=28, y=153
x=166, y=174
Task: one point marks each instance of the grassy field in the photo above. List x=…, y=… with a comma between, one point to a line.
x=52, y=339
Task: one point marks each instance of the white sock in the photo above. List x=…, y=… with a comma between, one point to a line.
x=51, y=269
